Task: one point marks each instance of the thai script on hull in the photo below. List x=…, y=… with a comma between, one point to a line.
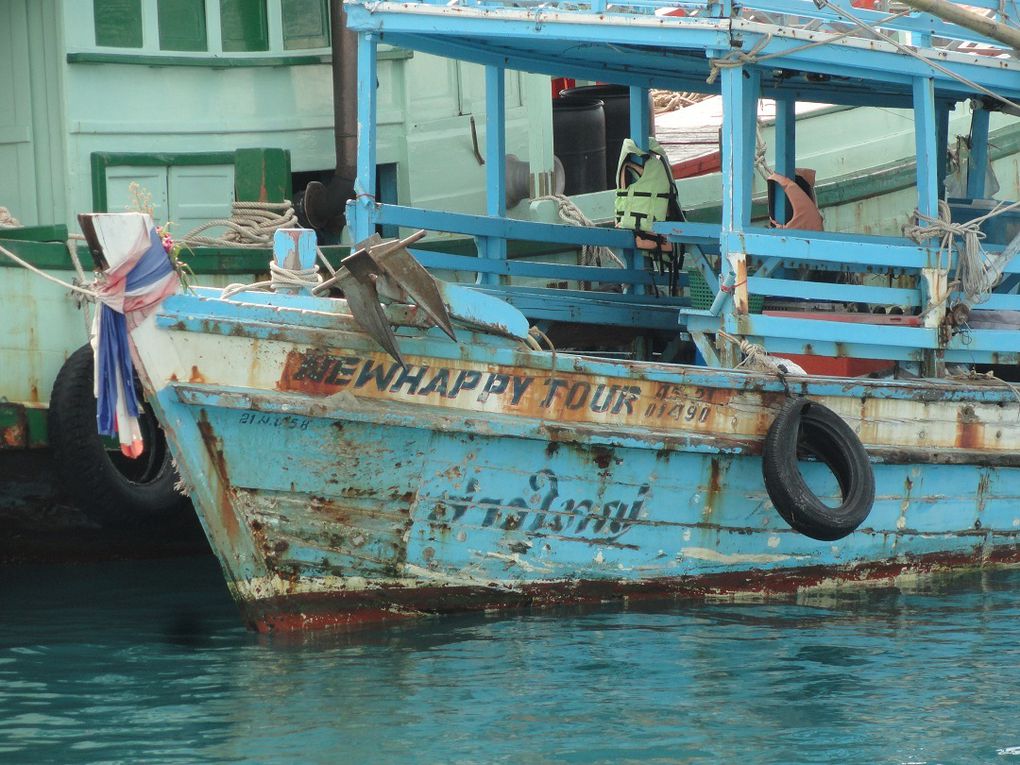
x=544, y=510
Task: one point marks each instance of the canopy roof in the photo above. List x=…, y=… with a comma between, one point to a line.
x=837, y=54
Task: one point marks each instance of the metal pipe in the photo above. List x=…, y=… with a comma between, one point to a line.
x=972, y=21
x=345, y=86
x=324, y=205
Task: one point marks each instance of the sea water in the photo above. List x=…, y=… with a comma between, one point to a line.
x=147, y=662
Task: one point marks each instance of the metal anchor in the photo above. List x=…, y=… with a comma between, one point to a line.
x=386, y=270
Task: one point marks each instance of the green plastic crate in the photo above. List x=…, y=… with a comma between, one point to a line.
x=701, y=296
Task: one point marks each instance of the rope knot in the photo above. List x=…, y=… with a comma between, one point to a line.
x=736, y=58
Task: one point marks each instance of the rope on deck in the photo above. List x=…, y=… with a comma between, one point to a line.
x=757, y=359
x=299, y=278
x=251, y=224
x=670, y=100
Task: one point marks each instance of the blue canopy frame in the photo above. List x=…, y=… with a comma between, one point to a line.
x=745, y=53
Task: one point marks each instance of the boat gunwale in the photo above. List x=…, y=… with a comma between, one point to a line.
x=178, y=316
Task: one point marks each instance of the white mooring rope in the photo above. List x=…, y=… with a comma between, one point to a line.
x=591, y=255
x=251, y=224
x=279, y=277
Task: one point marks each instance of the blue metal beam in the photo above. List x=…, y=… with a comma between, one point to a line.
x=925, y=145
x=918, y=23
x=786, y=150
x=739, y=120
x=811, y=331
x=519, y=32
x=853, y=293
x=584, y=310
x=494, y=247
x=827, y=247
x=640, y=119
x=551, y=271
x=365, y=187
x=507, y=228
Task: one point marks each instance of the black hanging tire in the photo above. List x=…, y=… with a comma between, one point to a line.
x=108, y=487
x=809, y=427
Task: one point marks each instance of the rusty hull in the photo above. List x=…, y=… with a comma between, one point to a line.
x=338, y=487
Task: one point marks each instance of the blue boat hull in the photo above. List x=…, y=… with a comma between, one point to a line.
x=337, y=488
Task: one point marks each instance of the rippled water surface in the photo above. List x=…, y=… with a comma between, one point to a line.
x=146, y=662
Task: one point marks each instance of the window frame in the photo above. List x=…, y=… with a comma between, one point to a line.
x=150, y=38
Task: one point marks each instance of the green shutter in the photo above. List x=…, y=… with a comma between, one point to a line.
x=305, y=24
x=244, y=25
x=182, y=25
x=118, y=23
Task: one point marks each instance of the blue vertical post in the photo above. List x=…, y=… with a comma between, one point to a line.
x=740, y=119
x=738, y=133
x=752, y=86
x=294, y=248
x=365, y=185
x=977, y=167
x=925, y=126
x=933, y=281
x=740, y=116
x=786, y=149
x=640, y=120
x=494, y=247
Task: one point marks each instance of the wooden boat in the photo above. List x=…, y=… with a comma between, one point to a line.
x=338, y=487
x=352, y=462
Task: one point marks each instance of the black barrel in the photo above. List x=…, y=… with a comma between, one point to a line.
x=579, y=140
x=616, y=107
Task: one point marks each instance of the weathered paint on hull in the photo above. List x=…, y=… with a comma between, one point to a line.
x=338, y=489
x=355, y=609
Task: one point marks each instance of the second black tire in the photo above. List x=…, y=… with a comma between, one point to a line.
x=806, y=425
x=107, y=486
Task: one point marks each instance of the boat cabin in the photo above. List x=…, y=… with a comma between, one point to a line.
x=937, y=295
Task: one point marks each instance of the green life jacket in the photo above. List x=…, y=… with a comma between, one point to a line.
x=645, y=193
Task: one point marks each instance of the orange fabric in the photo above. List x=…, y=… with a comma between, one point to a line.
x=805, y=210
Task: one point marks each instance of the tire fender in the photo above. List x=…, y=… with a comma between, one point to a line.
x=813, y=428
x=108, y=487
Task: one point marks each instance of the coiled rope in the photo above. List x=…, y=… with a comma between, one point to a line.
x=251, y=224
x=977, y=271
x=7, y=220
x=671, y=100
